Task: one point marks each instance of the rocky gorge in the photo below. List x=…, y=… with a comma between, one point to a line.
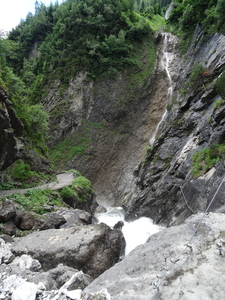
x=178, y=114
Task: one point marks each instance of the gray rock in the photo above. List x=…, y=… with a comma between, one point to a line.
x=17, y=219
x=92, y=248
x=49, y=221
x=6, y=255
x=25, y=291
x=7, y=211
x=9, y=228
x=74, y=217
x=199, y=272
x=27, y=221
x=26, y=262
x=77, y=281
x=61, y=274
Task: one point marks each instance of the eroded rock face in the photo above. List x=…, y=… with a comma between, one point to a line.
x=110, y=118
x=166, y=189
x=10, y=127
x=92, y=248
x=198, y=273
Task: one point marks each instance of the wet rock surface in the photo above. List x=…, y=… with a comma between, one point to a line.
x=166, y=188
x=198, y=272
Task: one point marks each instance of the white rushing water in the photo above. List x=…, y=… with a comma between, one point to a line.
x=165, y=65
x=135, y=233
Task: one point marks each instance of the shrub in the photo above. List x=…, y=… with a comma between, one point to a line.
x=67, y=192
x=21, y=171
x=83, y=187
x=196, y=77
x=205, y=159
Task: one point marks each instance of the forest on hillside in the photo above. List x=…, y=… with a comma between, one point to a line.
x=98, y=36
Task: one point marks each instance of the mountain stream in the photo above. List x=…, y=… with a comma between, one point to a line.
x=138, y=231
x=135, y=233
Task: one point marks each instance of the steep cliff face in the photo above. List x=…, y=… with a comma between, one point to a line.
x=108, y=122
x=166, y=189
x=107, y=125
x=10, y=129
x=13, y=144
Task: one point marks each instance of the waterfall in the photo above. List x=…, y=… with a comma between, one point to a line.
x=165, y=65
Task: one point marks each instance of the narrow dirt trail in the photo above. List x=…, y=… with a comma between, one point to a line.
x=64, y=179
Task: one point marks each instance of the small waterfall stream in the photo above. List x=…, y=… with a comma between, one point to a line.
x=165, y=65
x=138, y=231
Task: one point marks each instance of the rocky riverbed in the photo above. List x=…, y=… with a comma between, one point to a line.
x=181, y=262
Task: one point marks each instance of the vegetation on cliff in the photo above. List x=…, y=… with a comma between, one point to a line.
x=102, y=37
x=189, y=13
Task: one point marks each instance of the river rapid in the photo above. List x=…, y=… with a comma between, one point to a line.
x=135, y=232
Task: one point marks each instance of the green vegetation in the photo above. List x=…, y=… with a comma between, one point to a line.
x=151, y=7
x=69, y=148
x=6, y=186
x=20, y=171
x=96, y=36
x=35, y=200
x=218, y=103
x=205, y=159
x=189, y=13
x=67, y=192
x=81, y=189
x=196, y=77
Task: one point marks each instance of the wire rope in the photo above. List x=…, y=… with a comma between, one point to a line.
x=188, y=245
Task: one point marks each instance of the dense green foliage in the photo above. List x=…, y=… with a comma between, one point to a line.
x=35, y=200
x=151, y=6
x=67, y=192
x=81, y=189
x=34, y=117
x=21, y=171
x=97, y=36
x=189, y=13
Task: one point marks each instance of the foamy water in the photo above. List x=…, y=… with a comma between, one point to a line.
x=135, y=233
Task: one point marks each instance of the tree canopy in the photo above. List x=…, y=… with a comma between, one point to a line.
x=189, y=13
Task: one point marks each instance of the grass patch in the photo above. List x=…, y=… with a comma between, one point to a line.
x=35, y=200
x=205, y=159
x=68, y=149
x=157, y=22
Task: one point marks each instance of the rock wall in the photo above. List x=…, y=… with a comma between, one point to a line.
x=166, y=189
x=10, y=129
x=113, y=118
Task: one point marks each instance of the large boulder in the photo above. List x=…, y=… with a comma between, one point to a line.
x=7, y=211
x=27, y=221
x=185, y=271
x=92, y=248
